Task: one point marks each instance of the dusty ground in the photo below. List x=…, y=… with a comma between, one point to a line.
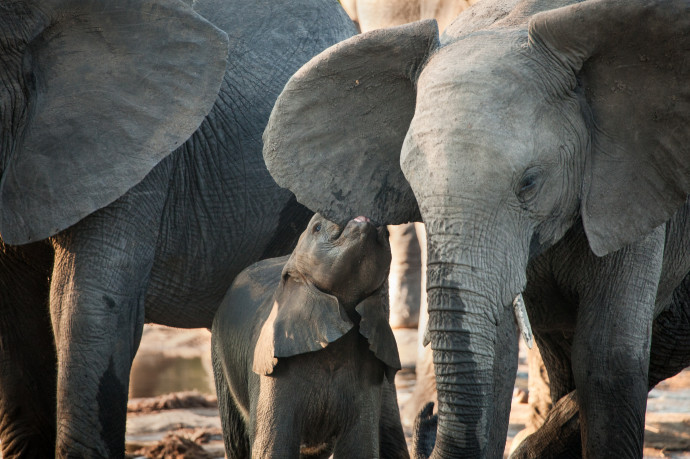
x=171, y=360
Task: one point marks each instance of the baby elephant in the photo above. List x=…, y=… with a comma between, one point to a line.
x=303, y=356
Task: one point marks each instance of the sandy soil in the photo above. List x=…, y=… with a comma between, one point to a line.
x=171, y=360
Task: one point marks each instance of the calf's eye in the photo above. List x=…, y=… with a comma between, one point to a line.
x=317, y=227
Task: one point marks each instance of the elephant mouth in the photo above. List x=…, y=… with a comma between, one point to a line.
x=365, y=227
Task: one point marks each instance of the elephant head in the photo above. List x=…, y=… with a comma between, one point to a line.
x=76, y=131
x=333, y=278
x=526, y=119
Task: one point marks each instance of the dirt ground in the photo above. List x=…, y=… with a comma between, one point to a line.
x=172, y=411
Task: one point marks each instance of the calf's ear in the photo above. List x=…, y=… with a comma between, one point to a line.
x=303, y=319
x=335, y=133
x=375, y=327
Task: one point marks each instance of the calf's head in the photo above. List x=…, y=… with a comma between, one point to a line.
x=333, y=280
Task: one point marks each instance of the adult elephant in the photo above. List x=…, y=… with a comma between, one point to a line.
x=99, y=219
x=531, y=125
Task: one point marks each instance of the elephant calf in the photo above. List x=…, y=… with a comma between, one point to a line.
x=303, y=356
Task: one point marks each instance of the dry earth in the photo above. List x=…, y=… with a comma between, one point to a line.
x=186, y=426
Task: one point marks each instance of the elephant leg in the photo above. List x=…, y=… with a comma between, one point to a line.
x=360, y=440
x=611, y=347
x=559, y=437
x=100, y=277
x=425, y=386
x=404, y=281
x=235, y=435
x=391, y=436
x=555, y=351
x=670, y=352
x=540, y=402
x=27, y=353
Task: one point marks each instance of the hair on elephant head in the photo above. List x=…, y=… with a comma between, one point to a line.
x=530, y=123
x=334, y=278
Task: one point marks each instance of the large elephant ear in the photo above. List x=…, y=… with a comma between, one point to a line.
x=632, y=59
x=335, y=133
x=117, y=86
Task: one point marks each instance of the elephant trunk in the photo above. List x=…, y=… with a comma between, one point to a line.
x=462, y=340
x=474, y=340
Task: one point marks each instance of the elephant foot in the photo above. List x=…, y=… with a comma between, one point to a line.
x=424, y=432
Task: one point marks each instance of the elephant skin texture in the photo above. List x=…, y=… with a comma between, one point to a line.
x=133, y=189
x=544, y=145
x=303, y=356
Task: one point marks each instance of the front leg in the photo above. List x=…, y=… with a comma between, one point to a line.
x=391, y=436
x=27, y=353
x=100, y=277
x=360, y=440
x=611, y=346
x=275, y=417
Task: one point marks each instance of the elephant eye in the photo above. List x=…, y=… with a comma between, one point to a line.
x=529, y=184
x=317, y=228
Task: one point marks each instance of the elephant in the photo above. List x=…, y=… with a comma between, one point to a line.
x=544, y=145
x=133, y=189
x=304, y=358
x=376, y=14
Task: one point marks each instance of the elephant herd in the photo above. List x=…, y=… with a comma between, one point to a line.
x=151, y=150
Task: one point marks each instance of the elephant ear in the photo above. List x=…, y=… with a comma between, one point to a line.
x=335, y=133
x=303, y=319
x=632, y=60
x=375, y=327
x=116, y=86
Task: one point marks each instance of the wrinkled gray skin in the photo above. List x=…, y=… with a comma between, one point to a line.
x=94, y=98
x=559, y=436
x=303, y=355
x=547, y=152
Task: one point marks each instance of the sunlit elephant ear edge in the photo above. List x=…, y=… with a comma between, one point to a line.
x=335, y=133
x=632, y=61
x=117, y=87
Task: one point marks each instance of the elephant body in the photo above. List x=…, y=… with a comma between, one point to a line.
x=278, y=396
x=544, y=145
x=161, y=243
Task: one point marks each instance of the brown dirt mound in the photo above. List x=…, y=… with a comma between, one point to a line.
x=176, y=400
x=174, y=446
